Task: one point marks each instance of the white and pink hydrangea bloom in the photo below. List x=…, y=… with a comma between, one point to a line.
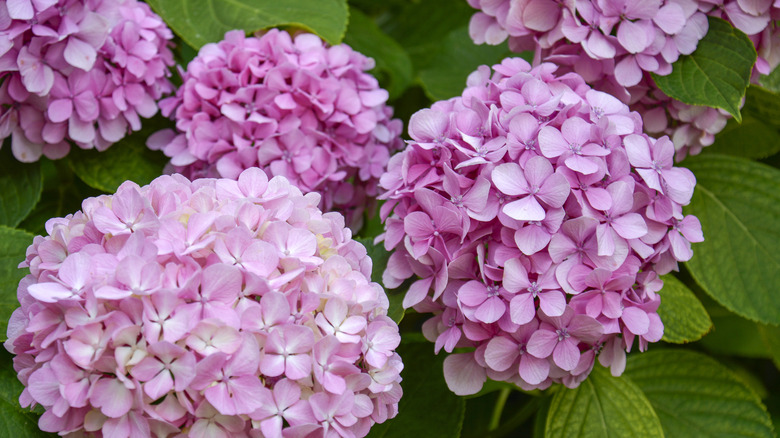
x=616, y=44
x=558, y=257
x=292, y=106
x=210, y=308
x=78, y=72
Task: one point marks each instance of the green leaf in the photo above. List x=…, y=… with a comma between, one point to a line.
x=734, y=336
x=758, y=136
x=428, y=408
x=771, y=337
x=683, y=315
x=199, y=22
x=763, y=104
x=695, y=396
x=14, y=420
x=602, y=407
x=479, y=411
x=20, y=187
x=13, y=246
x=738, y=264
x=771, y=81
x=63, y=194
x=422, y=23
x=540, y=419
x=753, y=138
x=379, y=257
x=717, y=73
x=457, y=57
x=127, y=160
x=364, y=36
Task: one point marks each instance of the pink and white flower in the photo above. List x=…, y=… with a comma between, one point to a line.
x=262, y=322
x=578, y=207
x=79, y=72
x=294, y=107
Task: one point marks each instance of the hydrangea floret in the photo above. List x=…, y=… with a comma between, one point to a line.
x=210, y=308
x=616, y=44
x=75, y=71
x=537, y=218
x=294, y=107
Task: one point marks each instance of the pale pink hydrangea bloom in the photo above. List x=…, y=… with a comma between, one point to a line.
x=616, y=44
x=78, y=71
x=210, y=308
x=537, y=217
x=292, y=106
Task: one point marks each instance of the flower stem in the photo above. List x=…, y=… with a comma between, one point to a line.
x=495, y=419
x=522, y=415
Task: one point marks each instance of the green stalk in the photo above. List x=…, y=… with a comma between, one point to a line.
x=495, y=419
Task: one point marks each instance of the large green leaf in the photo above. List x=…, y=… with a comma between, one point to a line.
x=771, y=337
x=758, y=136
x=451, y=64
x=425, y=23
x=602, y=407
x=683, y=315
x=20, y=187
x=738, y=264
x=753, y=138
x=128, y=159
x=14, y=421
x=771, y=81
x=734, y=336
x=63, y=194
x=204, y=21
x=763, y=104
x=695, y=396
x=428, y=408
x=13, y=246
x=393, y=65
x=717, y=73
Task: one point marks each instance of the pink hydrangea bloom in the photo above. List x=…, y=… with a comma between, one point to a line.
x=214, y=308
x=578, y=214
x=616, y=44
x=291, y=106
x=75, y=71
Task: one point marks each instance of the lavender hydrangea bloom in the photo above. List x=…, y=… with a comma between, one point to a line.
x=209, y=308
x=75, y=71
x=293, y=107
x=616, y=44
x=580, y=213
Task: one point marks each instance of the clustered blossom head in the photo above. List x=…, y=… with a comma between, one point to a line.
x=214, y=308
x=538, y=217
x=81, y=71
x=293, y=107
x=616, y=44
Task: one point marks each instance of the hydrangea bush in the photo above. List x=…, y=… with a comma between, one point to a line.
x=615, y=45
x=214, y=308
x=538, y=217
x=291, y=106
x=82, y=72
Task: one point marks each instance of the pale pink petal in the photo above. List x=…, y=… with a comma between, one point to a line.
x=526, y=209
x=463, y=374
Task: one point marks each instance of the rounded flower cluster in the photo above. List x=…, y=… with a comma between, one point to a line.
x=78, y=71
x=208, y=308
x=293, y=107
x=615, y=44
x=538, y=217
